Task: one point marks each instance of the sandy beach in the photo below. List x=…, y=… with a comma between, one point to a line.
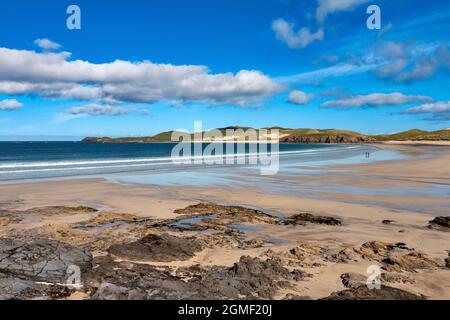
x=326, y=239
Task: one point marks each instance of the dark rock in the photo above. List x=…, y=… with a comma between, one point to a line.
x=388, y=221
x=55, y=210
x=250, y=278
x=294, y=297
x=163, y=248
x=394, y=257
x=440, y=222
x=41, y=260
x=12, y=288
x=229, y=214
x=303, y=218
x=410, y=262
x=364, y=293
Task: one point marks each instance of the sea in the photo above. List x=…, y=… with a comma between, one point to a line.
x=42, y=160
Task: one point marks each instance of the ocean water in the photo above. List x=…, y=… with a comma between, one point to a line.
x=40, y=160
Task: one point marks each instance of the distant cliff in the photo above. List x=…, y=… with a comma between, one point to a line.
x=324, y=138
x=306, y=136
x=119, y=140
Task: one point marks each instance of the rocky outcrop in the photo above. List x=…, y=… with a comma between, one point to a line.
x=364, y=293
x=231, y=214
x=303, y=218
x=440, y=222
x=41, y=260
x=410, y=262
x=313, y=139
x=393, y=257
x=163, y=248
x=55, y=210
x=250, y=278
x=353, y=280
x=12, y=288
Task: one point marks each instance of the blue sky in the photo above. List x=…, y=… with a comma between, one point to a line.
x=142, y=67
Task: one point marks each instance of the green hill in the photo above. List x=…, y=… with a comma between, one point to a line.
x=303, y=135
x=416, y=135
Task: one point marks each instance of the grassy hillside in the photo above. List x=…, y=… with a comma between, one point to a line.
x=416, y=135
x=413, y=135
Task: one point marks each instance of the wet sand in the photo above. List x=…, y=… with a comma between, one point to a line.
x=129, y=213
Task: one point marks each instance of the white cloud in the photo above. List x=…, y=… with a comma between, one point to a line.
x=10, y=104
x=47, y=44
x=375, y=100
x=326, y=7
x=55, y=75
x=339, y=70
x=62, y=117
x=437, y=110
x=103, y=110
x=299, y=97
x=406, y=63
x=304, y=37
x=301, y=39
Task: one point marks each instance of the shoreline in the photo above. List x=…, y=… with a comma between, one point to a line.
x=125, y=214
x=413, y=142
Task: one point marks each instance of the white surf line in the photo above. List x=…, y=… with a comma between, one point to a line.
x=67, y=164
x=249, y=156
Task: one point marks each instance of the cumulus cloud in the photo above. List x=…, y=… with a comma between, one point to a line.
x=436, y=110
x=303, y=37
x=102, y=110
x=56, y=75
x=300, y=39
x=299, y=97
x=326, y=7
x=10, y=104
x=375, y=100
x=47, y=44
